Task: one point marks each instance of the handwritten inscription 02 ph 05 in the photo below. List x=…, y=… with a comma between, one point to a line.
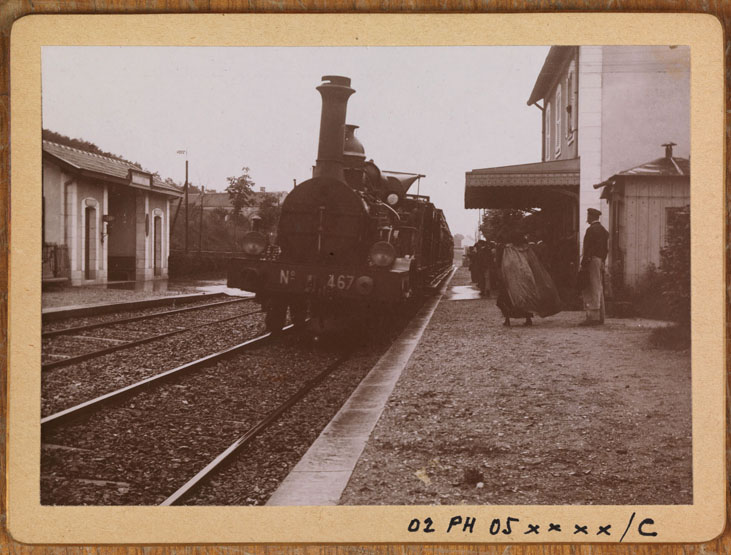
x=514, y=526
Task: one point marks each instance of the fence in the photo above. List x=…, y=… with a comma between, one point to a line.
x=55, y=265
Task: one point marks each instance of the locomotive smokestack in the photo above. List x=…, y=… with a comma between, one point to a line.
x=335, y=93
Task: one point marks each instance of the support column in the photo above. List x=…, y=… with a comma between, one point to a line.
x=103, y=255
x=166, y=239
x=72, y=209
x=590, y=134
x=142, y=262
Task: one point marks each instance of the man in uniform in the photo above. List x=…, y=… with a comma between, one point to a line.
x=592, y=262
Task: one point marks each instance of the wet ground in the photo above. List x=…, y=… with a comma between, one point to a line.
x=132, y=291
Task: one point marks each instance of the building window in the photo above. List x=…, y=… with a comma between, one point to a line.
x=571, y=106
x=557, y=134
x=547, y=131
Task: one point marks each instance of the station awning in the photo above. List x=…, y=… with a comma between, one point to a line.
x=522, y=186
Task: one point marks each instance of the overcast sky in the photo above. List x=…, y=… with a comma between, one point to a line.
x=439, y=111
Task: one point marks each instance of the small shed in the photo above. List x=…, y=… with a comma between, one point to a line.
x=640, y=202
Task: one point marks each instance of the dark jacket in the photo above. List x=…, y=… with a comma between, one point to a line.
x=595, y=242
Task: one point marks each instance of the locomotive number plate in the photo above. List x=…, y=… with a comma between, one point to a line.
x=339, y=281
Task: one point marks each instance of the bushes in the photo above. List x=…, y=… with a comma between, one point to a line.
x=675, y=285
x=664, y=293
x=675, y=265
x=198, y=265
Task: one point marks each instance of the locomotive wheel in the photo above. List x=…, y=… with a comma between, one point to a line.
x=276, y=317
x=298, y=313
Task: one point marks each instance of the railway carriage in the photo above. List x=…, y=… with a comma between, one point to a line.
x=350, y=241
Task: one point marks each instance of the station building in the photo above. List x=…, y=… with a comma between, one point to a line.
x=104, y=219
x=603, y=109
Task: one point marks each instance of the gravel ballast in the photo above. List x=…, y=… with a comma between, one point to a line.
x=158, y=439
x=548, y=414
x=67, y=386
x=143, y=449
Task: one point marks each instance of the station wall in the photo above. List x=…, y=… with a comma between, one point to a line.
x=646, y=102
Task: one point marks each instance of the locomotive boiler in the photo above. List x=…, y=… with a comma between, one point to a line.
x=350, y=241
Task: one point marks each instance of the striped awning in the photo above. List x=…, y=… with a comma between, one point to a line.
x=523, y=185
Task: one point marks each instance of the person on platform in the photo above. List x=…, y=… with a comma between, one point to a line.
x=527, y=287
x=592, y=263
x=504, y=302
x=484, y=256
x=475, y=263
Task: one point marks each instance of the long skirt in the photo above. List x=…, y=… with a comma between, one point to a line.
x=507, y=307
x=593, y=293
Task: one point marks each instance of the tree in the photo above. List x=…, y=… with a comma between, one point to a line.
x=239, y=191
x=80, y=144
x=497, y=224
x=269, y=210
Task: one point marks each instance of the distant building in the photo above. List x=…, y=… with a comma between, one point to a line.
x=641, y=200
x=216, y=200
x=104, y=219
x=603, y=109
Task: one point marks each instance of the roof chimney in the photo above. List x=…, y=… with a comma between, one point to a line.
x=669, y=150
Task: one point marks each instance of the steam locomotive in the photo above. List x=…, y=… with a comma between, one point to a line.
x=350, y=241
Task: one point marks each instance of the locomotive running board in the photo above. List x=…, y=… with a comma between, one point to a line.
x=322, y=474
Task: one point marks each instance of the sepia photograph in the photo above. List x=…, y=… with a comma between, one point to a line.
x=356, y=276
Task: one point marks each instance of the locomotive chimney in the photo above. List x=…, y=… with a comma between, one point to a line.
x=335, y=93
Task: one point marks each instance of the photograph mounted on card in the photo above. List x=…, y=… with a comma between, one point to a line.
x=449, y=288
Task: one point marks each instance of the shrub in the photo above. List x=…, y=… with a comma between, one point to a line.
x=675, y=265
x=195, y=265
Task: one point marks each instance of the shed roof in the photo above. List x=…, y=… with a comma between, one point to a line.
x=667, y=166
x=98, y=165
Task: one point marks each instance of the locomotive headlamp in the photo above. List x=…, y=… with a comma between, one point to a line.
x=254, y=243
x=382, y=254
x=392, y=199
x=364, y=285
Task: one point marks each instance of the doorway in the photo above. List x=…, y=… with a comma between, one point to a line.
x=90, y=234
x=157, y=230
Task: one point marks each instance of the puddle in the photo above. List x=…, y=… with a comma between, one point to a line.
x=462, y=293
x=221, y=288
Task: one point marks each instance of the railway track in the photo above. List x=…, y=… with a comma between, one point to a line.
x=244, y=440
x=102, y=401
x=157, y=425
x=224, y=429
x=125, y=320
x=134, y=343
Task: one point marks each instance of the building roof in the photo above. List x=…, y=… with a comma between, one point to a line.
x=667, y=166
x=100, y=166
x=211, y=200
x=661, y=166
x=554, y=61
x=522, y=185
x=223, y=200
x=553, y=166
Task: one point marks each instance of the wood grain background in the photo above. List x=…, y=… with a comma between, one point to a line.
x=11, y=10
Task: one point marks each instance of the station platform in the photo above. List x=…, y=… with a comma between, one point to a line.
x=462, y=409
x=68, y=298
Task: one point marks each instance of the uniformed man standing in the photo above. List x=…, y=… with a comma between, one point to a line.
x=592, y=262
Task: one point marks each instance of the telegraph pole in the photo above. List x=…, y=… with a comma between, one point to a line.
x=200, y=223
x=186, y=203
